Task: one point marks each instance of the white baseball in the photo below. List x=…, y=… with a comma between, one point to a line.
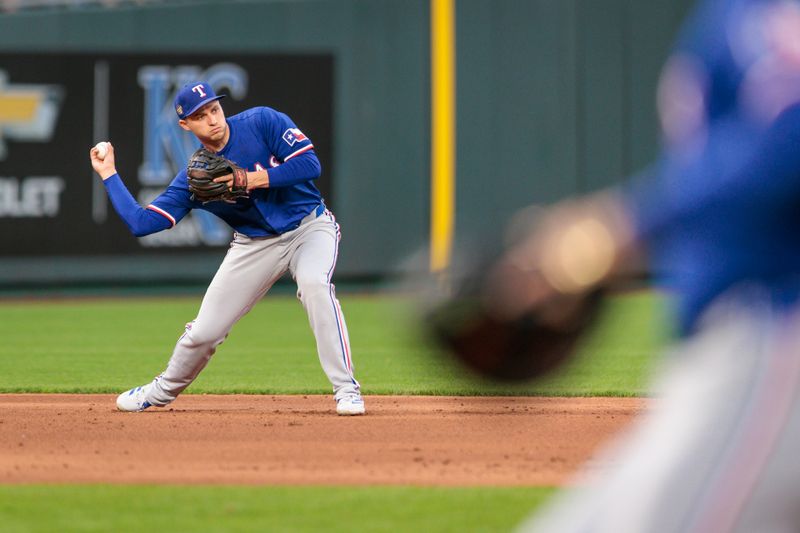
x=102, y=149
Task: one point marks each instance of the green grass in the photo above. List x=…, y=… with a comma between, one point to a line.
x=93, y=508
x=111, y=345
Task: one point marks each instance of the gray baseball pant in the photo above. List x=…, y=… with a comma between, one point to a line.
x=250, y=268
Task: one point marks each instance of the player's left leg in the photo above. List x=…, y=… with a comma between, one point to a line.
x=314, y=253
x=249, y=269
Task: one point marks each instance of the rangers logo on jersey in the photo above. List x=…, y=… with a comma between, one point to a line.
x=293, y=135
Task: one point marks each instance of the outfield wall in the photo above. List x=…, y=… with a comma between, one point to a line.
x=553, y=97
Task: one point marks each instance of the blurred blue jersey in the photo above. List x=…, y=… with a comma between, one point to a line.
x=721, y=206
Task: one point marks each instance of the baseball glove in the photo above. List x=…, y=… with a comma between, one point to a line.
x=201, y=170
x=520, y=314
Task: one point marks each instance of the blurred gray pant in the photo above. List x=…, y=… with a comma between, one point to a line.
x=719, y=449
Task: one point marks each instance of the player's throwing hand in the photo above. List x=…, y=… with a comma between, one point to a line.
x=105, y=167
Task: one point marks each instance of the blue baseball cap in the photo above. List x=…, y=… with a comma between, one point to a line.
x=193, y=96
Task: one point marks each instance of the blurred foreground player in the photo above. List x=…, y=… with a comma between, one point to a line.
x=718, y=218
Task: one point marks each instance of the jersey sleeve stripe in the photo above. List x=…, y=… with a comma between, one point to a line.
x=162, y=212
x=298, y=152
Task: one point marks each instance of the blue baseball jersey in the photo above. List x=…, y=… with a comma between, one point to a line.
x=719, y=208
x=260, y=138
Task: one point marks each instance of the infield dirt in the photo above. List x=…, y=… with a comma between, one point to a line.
x=247, y=439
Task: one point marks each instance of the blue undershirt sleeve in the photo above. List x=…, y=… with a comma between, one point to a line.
x=140, y=221
x=303, y=167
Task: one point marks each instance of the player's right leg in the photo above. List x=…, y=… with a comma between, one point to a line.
x=249, y=269
x=315, y=249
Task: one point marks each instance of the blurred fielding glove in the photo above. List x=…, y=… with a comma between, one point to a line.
x=201, y=170
x=520, y=315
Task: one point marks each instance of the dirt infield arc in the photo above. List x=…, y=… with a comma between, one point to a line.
x=246, y=439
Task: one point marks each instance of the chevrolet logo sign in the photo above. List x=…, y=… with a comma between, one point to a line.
x=27, y=112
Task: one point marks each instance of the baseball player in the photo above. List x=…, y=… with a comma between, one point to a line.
x=280, y=225
x=718, y=216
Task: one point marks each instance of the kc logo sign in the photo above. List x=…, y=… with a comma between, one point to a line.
x=166, y=146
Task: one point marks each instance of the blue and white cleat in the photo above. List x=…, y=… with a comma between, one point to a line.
x=134, y=400
x=350, y=404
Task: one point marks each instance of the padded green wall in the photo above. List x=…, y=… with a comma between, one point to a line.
x=554, y=96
